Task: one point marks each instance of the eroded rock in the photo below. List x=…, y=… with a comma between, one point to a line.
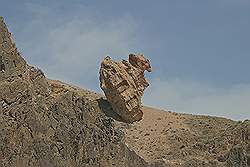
x=11, y=63
x=124, y=83
x=48, y=123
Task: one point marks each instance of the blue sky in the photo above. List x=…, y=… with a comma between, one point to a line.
x=199, y=50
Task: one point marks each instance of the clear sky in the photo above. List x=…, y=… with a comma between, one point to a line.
x=199, y=49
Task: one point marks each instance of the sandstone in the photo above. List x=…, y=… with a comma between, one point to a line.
x=123, y=84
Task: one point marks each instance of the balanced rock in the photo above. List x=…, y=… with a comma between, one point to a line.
x=123, y=84
x=46, y=123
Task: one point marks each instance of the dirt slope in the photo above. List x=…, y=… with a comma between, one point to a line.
x=189, y=140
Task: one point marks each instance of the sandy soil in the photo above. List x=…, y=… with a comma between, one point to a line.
x=178, y=138
x=155, y=129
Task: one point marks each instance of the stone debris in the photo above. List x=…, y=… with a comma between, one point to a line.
x=123, y=84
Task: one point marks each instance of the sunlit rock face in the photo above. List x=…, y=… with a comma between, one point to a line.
x=46, y=123
x=124, y=83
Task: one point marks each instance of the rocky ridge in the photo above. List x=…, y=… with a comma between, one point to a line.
x=49, y=123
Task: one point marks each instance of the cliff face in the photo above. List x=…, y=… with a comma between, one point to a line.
x=48, y=123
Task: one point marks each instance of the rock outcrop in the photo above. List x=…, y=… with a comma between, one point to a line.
x=46, y=123
x=123, y=84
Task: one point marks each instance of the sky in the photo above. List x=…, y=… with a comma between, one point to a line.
x=199, y=50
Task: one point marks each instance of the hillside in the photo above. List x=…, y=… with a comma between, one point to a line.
x=46, y=122
x=189, y=140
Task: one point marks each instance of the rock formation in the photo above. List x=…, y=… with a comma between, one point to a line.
x=123, y=84
x=47, y=123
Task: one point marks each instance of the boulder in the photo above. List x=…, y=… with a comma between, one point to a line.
x=123, y=84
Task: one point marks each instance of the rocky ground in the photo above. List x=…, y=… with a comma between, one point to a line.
x=49, y=123
x=189, y=140
x=165, y=138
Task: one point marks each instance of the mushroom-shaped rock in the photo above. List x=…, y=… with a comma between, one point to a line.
x=123, y=84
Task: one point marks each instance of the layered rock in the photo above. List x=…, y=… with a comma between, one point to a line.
x=123, y=84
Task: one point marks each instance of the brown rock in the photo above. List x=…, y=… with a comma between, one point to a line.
x=12, y=64
x=49, y=123
x=123, y=84
x=237, y=157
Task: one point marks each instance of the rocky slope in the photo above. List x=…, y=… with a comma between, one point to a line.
x=49, y=123
x=182, y=140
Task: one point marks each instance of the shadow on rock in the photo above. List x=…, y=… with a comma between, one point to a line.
x=106, y=107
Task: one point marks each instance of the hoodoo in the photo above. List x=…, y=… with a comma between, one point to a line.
x=124, y=83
